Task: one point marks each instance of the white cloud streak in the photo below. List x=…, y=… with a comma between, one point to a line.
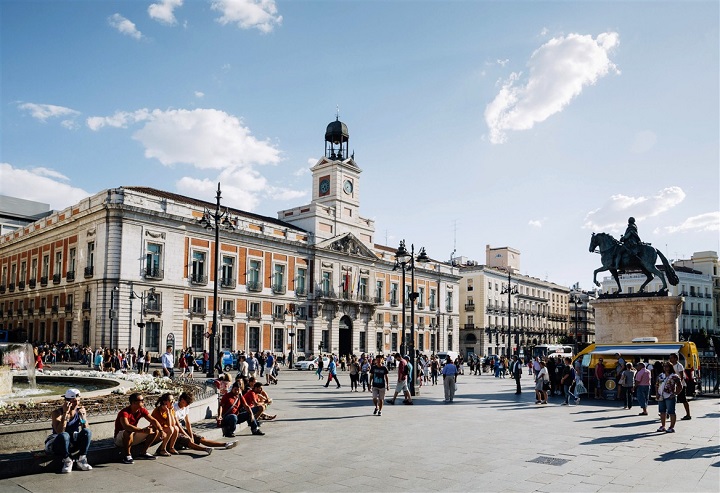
x=613, y=214
x=248, y=14
x=709, y=221
x=44, y=111
x=163, y=11
x=558, y=72
x=40, y=184
x=124, y=26
x=536, y=223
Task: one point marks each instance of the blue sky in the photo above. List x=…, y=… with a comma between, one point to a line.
x=528, y=124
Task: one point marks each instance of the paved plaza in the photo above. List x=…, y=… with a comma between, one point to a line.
x=327, y=440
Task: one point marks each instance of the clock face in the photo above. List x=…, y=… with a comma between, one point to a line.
x=348, y=187
x=324, y=186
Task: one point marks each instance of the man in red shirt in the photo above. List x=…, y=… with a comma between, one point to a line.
x=402, y=381
x=234, y=408
x=599, y=375
x=128, y=433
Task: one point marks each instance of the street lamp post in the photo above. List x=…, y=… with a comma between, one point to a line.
x=407, y=260
x=112, y=314
x=143, y=298
x=509, y=290
x=215, y=220
x=577, y=302
x=291, y=312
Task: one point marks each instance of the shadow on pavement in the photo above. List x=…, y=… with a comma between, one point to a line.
x=628, y=425
x=712, y=451
x=620, y=438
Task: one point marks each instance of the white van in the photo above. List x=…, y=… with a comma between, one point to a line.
x=442, y=356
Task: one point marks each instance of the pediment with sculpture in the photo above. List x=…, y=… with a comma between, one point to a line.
x=348, y=244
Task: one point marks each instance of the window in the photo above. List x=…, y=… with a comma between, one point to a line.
x=394, y=294
x=46, y=266
x=226, y=338
x=34, y=269
x=91, y=254
x=254, y=339
x=433, y=299
x=153, y=261
x=300, y=281
x=362, y=342
x=152, y=336
x=471, y=319
x=198, y=306
x=379, y=291
x=4, y=275
x=279, y=312
x=362, y=289
x=278, y=340
x=326, y=340
x=378, y=341
x=450, y=341
x=254, y=310
x=326, y=283
x=421, y=342
x=71, y=260
x=394, y=341
x=227, y=308
x=432, y=343
x=197, y=332
x=23, y=271
x=379, y=320
x=198, y=273
x=394, y=320
x=449, y=302
x=469, y=284
x=301, y=340
x=421, y=297
x=228, y=272
x=254, y=282
x=57, y=268
x=278, y=284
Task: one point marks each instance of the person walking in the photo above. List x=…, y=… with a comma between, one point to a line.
x=354, y=368
x=319, y=367
x=516, y=370
x=449, y=373
x=434, y=369
x=332, y=373
x=568, y=381
x=669, y=386
x=403, y=371
x=642, y=387
x=542, y=384
x=627, y=380
x=380, y=383
x=168, y=362
x=364, y=373
x=682, y=396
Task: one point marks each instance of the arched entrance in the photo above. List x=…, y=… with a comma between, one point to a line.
x=345, y=336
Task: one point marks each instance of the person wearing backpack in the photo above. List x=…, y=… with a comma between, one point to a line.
x=568, y=380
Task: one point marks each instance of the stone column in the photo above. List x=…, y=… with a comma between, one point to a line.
x=623, y=319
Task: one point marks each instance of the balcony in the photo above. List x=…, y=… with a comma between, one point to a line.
x=55, y=309
x=378, y=300
x=469, y=326
x=2, y=288
x=10, y=312
x=278, y=289
x=70, y=276
x=470, y=307
x=254, y=286
x=153, y=307
x=228, y=313
x=11, y=287
x=154, y=274
x=41, y=311
x=449, y=308
x=432, y=306
x=228, y=282
x=301, y=291
x=198, y=280
x=31, y=312
x=420, y=305
x=44, y=281
x=197, y=311
x=89, y=271
x=278, y=317
x=85, y=306
x=21, y=285
x=301, y=316
x=57, y=278
x=394, y=302
x=254, y=315
x=363, y=298
x=393, y=325
x=327, y=293
x=421, y=324
x=68, y=308
x=32, y=283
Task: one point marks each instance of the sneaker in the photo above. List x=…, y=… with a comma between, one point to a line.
x=67, y=464
x=230, y=445
x=391, y=402
x=379, y=413
x=537, y=402
x=258, y=432
x=208, y=450
x=685, y=418
x=148, y=456
x=82, y=463
x=662, y=428
x=670, y=430
x=375, y=411
x=128, y=460
x=577, y=401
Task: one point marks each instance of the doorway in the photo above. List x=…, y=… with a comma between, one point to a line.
x=345, y=336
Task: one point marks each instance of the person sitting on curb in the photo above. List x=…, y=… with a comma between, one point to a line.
x=164, y=413
x=70, y=433
x=186, y=437
x=233, y=409
x=254, y=399
x=128, y=433
x=263, y=399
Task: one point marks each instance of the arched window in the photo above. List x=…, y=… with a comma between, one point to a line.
x=470, y=339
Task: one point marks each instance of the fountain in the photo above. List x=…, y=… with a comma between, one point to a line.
x=14, y=357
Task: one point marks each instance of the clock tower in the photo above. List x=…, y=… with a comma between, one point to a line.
x=335, y=205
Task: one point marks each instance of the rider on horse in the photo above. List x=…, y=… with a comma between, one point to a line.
x=629, y=242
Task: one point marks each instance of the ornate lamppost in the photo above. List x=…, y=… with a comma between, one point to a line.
x=407, y=262
x=575, y=300
x=291, y=311
x=215, y=221
x=133, y=296
x=509, y=290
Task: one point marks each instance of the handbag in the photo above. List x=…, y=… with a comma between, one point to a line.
x=546, y=385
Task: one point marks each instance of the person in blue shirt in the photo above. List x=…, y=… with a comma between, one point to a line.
x=332, y=373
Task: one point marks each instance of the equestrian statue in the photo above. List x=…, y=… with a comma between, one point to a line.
x=629, y=254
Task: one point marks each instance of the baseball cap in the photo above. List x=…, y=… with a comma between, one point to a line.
x=72, y=394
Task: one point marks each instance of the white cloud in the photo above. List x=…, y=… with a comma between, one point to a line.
x=204, y=138
x=614, y=213
x=536, y=223
x=544, y=31
x=558, y=72
x=124, y=26
x=247, y=14
x=710, y=221
x=502, y=63
x=163, y=11
x=44, y=111
x=40, y=184
x=199, y=94
x=643, y=142
x=121, y=119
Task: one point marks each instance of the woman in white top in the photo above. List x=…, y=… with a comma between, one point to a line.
x=540, y=379
x=186, y=438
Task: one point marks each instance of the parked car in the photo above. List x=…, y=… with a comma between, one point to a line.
x=311, y=364
x=229, y=361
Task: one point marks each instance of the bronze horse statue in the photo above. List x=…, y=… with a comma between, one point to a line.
x=643, y=260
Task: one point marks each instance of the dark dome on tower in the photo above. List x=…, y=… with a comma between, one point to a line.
x=336, y=140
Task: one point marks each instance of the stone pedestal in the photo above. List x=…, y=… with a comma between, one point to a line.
x=623, y=319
